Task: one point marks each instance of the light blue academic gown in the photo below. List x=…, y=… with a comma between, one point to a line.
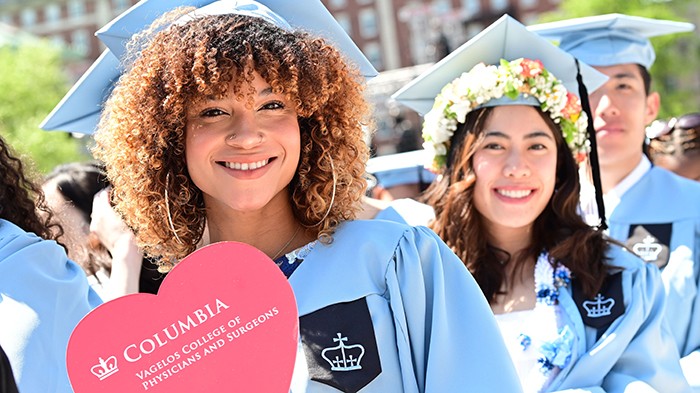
x=43, y=295
x=669, y=205
x=636, y=353
x=400, y=299
x=637, y=350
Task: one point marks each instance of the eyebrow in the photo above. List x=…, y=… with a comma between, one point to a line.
x=500, y=134
x=264, y=92
x=624, y=75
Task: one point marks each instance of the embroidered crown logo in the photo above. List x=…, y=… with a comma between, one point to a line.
x=648, y=249
x=344, y=357
x=105, y=368
x=599, y=307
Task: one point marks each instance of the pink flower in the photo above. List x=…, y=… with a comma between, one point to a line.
x=572, y=108
x=531, y=68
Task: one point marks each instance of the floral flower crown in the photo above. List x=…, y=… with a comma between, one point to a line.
x=520, y=77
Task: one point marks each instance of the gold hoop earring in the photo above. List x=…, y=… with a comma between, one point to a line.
x=164, y=267
x=332, y=197
x=167, y=209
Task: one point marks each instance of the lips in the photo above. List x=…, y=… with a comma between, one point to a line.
x=608, y=129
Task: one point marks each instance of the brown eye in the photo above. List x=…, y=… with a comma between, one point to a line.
x=273, y=105
x=212, y=112
x=493, y=146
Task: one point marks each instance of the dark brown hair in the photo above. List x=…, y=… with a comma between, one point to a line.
x=21, y=200
x=559, y=229
x=76, y=184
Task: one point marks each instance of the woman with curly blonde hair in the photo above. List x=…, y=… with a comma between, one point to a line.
x=230, y=118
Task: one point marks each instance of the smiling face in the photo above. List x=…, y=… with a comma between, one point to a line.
x=515, y=166
x=243, y=157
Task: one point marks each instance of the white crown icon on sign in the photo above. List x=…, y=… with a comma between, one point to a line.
x=105, y=368
x=648, y=249
x=342, y=357
x=599, y=307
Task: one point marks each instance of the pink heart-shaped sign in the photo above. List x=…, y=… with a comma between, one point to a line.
x=224, y=318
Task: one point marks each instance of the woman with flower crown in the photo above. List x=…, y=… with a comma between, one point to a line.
x=577, y=311
x=235, y=116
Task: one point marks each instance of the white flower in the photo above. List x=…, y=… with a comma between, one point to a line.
x=484, y=83
x=436, y=127
x=461, y=109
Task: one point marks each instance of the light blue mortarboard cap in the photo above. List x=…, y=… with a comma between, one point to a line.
x=401, y=168
x=308, y=15
x=79, y=110
x=612, y=39
x=505, y=39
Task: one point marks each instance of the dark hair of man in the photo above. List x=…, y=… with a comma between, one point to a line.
x=646, y=78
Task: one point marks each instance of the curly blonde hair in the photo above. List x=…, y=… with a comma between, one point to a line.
x=141, y=136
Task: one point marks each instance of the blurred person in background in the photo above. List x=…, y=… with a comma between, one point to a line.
x=675, y=145
x=43, y=295
x=395, y=181
x=94, y=234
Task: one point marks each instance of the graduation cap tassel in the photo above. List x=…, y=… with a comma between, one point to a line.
x=595, y=166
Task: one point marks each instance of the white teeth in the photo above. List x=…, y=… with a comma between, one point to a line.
x=514, y=193
x=246, y=166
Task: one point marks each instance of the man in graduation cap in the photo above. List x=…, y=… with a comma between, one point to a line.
x=653, y=211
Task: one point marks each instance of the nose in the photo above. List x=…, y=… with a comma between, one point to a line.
x=245, y=133
x=603, y=105
x=516, y=166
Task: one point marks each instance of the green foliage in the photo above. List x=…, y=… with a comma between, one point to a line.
x=31, y=84
x=674, y=73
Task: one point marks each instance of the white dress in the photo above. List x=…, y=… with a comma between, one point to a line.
x=538, y=340
x=524, y=333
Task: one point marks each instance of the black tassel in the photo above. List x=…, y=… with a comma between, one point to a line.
x=595, y=166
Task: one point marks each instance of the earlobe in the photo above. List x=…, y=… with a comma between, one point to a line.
x=652, y=107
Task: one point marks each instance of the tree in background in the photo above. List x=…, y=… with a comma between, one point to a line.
x=675, y=71
x=31, y=84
